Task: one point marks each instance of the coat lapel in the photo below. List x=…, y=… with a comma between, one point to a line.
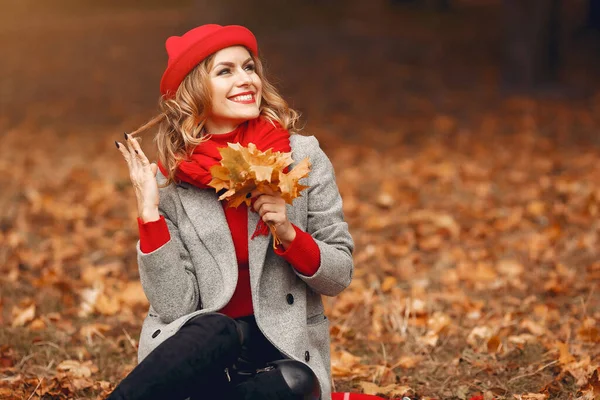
x=257, y=249
x=206, y=213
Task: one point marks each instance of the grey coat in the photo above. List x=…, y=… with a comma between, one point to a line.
x=196, y=270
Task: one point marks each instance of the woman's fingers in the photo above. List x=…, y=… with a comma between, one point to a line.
x=265, y=208
x=141, y=173
x=138, y=151
x=135, y=157
x=123, y=149
x=128, y=143
x=263, y=198
x=273, y=212
x=273, y=218
x=129, y=154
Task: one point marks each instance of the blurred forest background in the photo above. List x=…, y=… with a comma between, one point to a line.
x=465, y=140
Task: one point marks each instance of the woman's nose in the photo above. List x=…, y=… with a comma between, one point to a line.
x=244, y=79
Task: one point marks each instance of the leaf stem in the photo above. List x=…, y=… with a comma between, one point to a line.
x=276, y=240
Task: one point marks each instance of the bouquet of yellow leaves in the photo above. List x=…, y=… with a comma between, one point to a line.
x=245, y=169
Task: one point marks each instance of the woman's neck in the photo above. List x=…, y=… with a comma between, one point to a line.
x=220, y=129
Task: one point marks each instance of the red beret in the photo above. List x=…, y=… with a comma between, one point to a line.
x=187, y=51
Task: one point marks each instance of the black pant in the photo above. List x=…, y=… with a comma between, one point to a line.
x=205, y=359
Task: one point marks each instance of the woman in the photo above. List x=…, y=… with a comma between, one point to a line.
x=230, y=316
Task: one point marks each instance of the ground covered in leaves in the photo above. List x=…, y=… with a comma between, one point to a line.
x=475, y=215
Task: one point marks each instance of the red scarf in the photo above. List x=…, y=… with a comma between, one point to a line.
x=264, y=134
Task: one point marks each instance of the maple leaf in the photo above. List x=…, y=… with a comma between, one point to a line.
x=243, y=170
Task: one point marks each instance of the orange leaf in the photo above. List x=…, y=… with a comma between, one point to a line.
x=565, y=356
x=23, y=316
x=245, y=169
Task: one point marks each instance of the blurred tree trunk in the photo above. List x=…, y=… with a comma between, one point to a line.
x=532, y=58
x=594, y=15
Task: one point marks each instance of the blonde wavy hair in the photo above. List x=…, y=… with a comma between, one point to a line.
x=182, y=117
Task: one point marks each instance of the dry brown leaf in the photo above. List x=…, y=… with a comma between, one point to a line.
x=438, y=322
x=533, y=327
x=407, y=362
x=344, y=363
x=133, y=294
x=37, y=325
x=107, y=305
x=89, y=296
x=96, y=329
x=565, y=356
x=494, y=344
x=77, y=369
x=23, y=316
x=388, y=283
x=479, y=334
x=510, y=268
x=531, y=396
x=522, y=338
x=536, y=208
x=429, y=339
x=592, y=388
x=484, y=272
x=392, y=389
x=588, y=331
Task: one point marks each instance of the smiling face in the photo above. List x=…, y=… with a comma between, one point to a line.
x=235, y=88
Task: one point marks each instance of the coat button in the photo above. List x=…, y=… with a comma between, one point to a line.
x=306, y=356
x=156, y=333
x=290, y=298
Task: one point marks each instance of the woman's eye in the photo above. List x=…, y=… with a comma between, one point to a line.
x=250, y=67
x=223, y=71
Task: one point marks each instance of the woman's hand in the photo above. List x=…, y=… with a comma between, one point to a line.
x=271, y=208
x=143, y=178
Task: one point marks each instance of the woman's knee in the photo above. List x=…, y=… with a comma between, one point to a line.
x=300, y=379
x=212, y=323
x=212, y=330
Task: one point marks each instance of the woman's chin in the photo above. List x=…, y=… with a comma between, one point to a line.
x=250, y=114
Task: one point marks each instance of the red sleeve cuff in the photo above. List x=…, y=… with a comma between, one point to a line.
x=303, y=253
x=153, y=234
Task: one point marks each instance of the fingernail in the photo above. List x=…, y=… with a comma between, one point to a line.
x=248, y=195
x=125, y=134
x=117, y=144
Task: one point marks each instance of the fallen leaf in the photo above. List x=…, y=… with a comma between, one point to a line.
x=388, y=283
x=565, y=356
x=392, y=389
x=510, y=268
x=23, y=316
x=531, y=396
x=494, y=344
x=77, y=369
x=407, y=362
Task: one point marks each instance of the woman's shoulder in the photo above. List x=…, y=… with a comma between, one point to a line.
x=299, y=138
x=304, y=145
